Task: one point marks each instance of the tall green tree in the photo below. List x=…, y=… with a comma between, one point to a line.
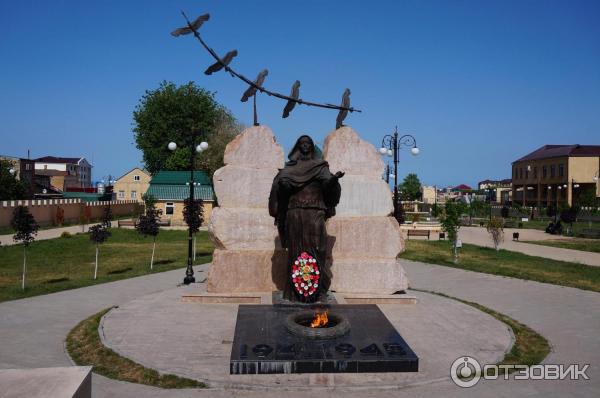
x=410, y=187
x=172, y=113
x=10, y=187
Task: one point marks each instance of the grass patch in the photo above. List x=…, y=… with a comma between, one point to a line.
x=541, y=224
x=119, y=271
x=69, y=263
x=505, y=263
x=86, y=349
x=586, y=245
x=530, y=347
x=57, y=280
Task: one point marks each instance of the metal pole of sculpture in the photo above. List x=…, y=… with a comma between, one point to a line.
x=303, y=196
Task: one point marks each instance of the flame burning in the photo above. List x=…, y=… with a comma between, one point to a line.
x=319, y=320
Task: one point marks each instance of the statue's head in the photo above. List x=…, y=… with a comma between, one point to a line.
x=303, y=149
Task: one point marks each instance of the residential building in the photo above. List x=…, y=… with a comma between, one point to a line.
x=555, y=174
x=78, y=167
x=132, y=185
x=60, y=180
x=24, y=171
x=499, y=191
x=171, y=188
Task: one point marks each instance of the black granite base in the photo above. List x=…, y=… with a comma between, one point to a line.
x=263, y=345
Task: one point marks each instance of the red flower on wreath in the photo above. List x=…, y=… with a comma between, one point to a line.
x=305, y=274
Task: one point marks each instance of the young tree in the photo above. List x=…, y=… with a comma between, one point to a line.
x=60, y=216
x=193, y=214
x=569, y=216
x=107, y=217
x=495, y=228
x=10, y=187
x=148, y=223
x=410, y=187
x=98, y=234
x=85, y=216
x=26, y=229
x=451, y=223
x=170, y=113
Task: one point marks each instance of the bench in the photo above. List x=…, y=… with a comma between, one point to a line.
x=164, y=223
x=418, y=232
x=126, y=223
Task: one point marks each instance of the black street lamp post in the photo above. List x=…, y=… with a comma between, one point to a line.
x=189, y=272
x=390, y=146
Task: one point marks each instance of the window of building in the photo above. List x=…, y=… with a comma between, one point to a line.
x=133, y=194
x=544, y=172
x=561, y=170
x=552, y=171
x=521, y=173
x=535, y=172
x=136, y=178
x=121, y=194
x=527, y=173
x=169, y=208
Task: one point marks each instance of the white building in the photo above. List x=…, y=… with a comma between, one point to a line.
x=78, y=167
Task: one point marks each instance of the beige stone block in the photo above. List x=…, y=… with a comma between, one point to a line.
x=247, y=271
x=364, y=237
x=364, y=196
x=373, y=276
x=243, y=228
x=345, y=151
x=237, y=186
x=255, y=147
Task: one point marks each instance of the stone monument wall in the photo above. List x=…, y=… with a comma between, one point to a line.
x=247, y=256
x=364, y=238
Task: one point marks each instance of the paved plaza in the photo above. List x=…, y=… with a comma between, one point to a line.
x=34, y=330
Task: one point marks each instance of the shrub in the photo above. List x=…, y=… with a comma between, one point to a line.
x=495, y=228
x=66, y=234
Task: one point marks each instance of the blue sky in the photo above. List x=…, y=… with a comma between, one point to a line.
x=478, y=83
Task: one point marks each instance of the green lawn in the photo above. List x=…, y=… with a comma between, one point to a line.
x=588, y=245
x=68, y=263
x=505, y=263
x=578, y=227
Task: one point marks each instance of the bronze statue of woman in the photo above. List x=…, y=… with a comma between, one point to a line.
x=303, y=195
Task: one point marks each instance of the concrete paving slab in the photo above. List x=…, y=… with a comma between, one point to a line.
x=59, y=382
x=194, y=340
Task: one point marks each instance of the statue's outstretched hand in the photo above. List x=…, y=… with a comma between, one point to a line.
x=339, y=174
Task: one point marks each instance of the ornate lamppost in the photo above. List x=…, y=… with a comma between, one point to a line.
x=390, y=146
x=189, y=272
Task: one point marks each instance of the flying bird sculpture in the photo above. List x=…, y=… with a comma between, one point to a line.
x=186, y=30
x=257, y=83
x=343, y=112
x=295, y=93
x=221, y=63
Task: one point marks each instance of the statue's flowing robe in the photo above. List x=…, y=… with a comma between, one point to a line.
x=303, y=195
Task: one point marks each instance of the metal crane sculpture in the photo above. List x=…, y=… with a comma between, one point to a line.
x=295, y=93
x=257, y=85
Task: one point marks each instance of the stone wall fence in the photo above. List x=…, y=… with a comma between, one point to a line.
x=45, y=210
